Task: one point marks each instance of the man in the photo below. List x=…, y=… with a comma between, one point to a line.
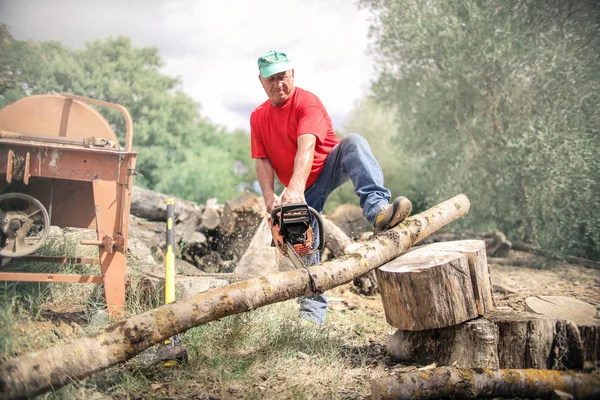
x=292, y=136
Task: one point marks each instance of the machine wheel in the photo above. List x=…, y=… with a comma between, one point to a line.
x=24, y=224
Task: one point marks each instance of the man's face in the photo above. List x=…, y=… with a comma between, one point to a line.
x=279, y=87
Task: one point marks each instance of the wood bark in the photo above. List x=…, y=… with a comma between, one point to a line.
x=336, y=239
x=468, y=383
x=241, y=213
x=495, y=341
x=475, y=250
x=426, y=289
x=56, y=366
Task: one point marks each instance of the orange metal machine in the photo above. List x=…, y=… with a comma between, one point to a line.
x=61, y=165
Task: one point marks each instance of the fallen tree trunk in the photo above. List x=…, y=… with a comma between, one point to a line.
x=476, y=383
x=152, y=205
x=522, y=246
x=59, y=365
x=335, y=238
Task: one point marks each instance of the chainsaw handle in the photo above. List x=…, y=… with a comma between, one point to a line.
x=315, y=213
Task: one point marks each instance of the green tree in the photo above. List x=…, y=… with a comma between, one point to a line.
x=499, y=99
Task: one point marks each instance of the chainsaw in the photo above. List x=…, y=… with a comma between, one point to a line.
x=293, y=235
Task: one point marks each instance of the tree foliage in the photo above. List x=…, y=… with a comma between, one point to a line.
x=180, y=152
x=499, y=99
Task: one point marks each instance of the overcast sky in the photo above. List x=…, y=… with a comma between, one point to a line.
x=212, y=45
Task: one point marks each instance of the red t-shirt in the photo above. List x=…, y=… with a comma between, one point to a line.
x=275, y=131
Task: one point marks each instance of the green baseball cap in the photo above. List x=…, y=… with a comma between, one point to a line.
x=273, y=62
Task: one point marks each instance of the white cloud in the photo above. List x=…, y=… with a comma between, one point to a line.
x=213, y=45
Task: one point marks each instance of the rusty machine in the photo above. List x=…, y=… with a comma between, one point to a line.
x=61, y=165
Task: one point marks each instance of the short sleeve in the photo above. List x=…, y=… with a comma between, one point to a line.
x=256, y=143
x=313, y=120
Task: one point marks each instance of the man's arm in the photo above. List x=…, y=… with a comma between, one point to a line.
x=266, y=178
x=302, y=167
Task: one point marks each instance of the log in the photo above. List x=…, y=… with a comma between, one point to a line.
x=366, y=284
x=349, y=218
x=152, y=205
x=473, y=344
x=427, y=289
x=495, y=341
x=195, y=246
x=498, y=245
x=475, y=250
x=336, y=240
x=211, y=217
x=583, y=314
x=468, y=383
x=242, y=212
x=59, y=365
x=522, y=246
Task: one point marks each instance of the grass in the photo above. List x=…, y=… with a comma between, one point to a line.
x=263, y=354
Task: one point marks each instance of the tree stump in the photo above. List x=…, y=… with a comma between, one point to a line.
x=580, y=312
x=427, y=289
x=495, y=341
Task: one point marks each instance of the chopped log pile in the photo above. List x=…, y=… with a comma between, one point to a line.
x=211, y=236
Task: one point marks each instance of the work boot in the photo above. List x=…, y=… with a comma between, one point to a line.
x=392, y=214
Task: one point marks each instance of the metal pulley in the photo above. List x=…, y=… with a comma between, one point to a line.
x=24, y=225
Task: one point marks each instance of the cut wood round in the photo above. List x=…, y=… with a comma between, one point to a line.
x=242, y=212
x=211, y=217
x=496, y=341
x=581, y=313
x=427, y=289
x=475, y=250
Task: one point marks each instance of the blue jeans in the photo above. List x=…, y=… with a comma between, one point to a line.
x=350, y=159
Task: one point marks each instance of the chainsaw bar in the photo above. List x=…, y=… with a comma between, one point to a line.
x=291, y=253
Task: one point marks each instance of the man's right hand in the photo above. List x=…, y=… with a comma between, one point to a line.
x=272, y=203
